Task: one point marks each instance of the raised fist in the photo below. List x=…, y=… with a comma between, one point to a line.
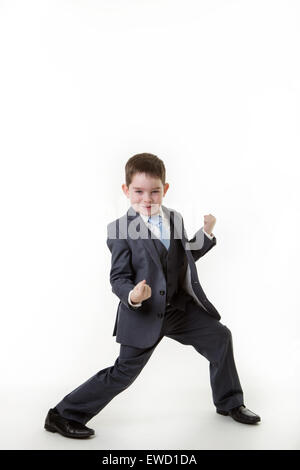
x=209, y=223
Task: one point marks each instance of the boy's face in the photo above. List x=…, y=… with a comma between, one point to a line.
x=145, y=193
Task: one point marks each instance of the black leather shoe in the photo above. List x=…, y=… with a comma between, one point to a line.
x=241, y=414
x=67, y=427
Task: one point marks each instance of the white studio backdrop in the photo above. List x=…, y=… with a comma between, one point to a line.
x=212, y=88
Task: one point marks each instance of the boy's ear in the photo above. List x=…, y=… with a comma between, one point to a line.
x=125, y=189
x=166, y=187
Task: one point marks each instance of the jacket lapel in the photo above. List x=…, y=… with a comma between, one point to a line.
x=147, y=242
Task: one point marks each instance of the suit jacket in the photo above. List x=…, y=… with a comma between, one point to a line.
x=134, y=258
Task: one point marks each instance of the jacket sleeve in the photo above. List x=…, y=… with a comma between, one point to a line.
x=201, y=244
x=121, y=272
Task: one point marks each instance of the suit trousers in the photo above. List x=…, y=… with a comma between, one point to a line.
x=194, y=327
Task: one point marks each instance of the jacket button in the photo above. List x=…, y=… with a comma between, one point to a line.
x=161, y=292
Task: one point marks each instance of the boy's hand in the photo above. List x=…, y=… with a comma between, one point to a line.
x=141, y=292
x=209, y=223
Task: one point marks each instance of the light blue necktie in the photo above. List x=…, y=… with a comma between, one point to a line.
x=157, y=220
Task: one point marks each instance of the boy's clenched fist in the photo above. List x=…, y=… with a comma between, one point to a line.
x=209, y=223
x=140, y=292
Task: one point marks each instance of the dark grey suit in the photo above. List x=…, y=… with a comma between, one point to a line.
x=178, y=308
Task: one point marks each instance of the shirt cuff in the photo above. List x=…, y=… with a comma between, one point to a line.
x=130, y=303
x=209, y=236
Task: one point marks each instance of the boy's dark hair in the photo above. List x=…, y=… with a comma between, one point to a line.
x=145, y=163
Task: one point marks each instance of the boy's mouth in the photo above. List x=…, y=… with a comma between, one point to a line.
x=149, y=207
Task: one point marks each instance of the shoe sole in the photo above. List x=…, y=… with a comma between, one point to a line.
x=226, y=413
x=53, y=429
x=221, y=412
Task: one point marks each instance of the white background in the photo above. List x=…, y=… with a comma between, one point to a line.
x=212, y=88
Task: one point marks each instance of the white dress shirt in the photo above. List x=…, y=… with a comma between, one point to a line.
x=156, y=232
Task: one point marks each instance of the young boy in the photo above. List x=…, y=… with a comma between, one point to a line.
x=153, y=273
